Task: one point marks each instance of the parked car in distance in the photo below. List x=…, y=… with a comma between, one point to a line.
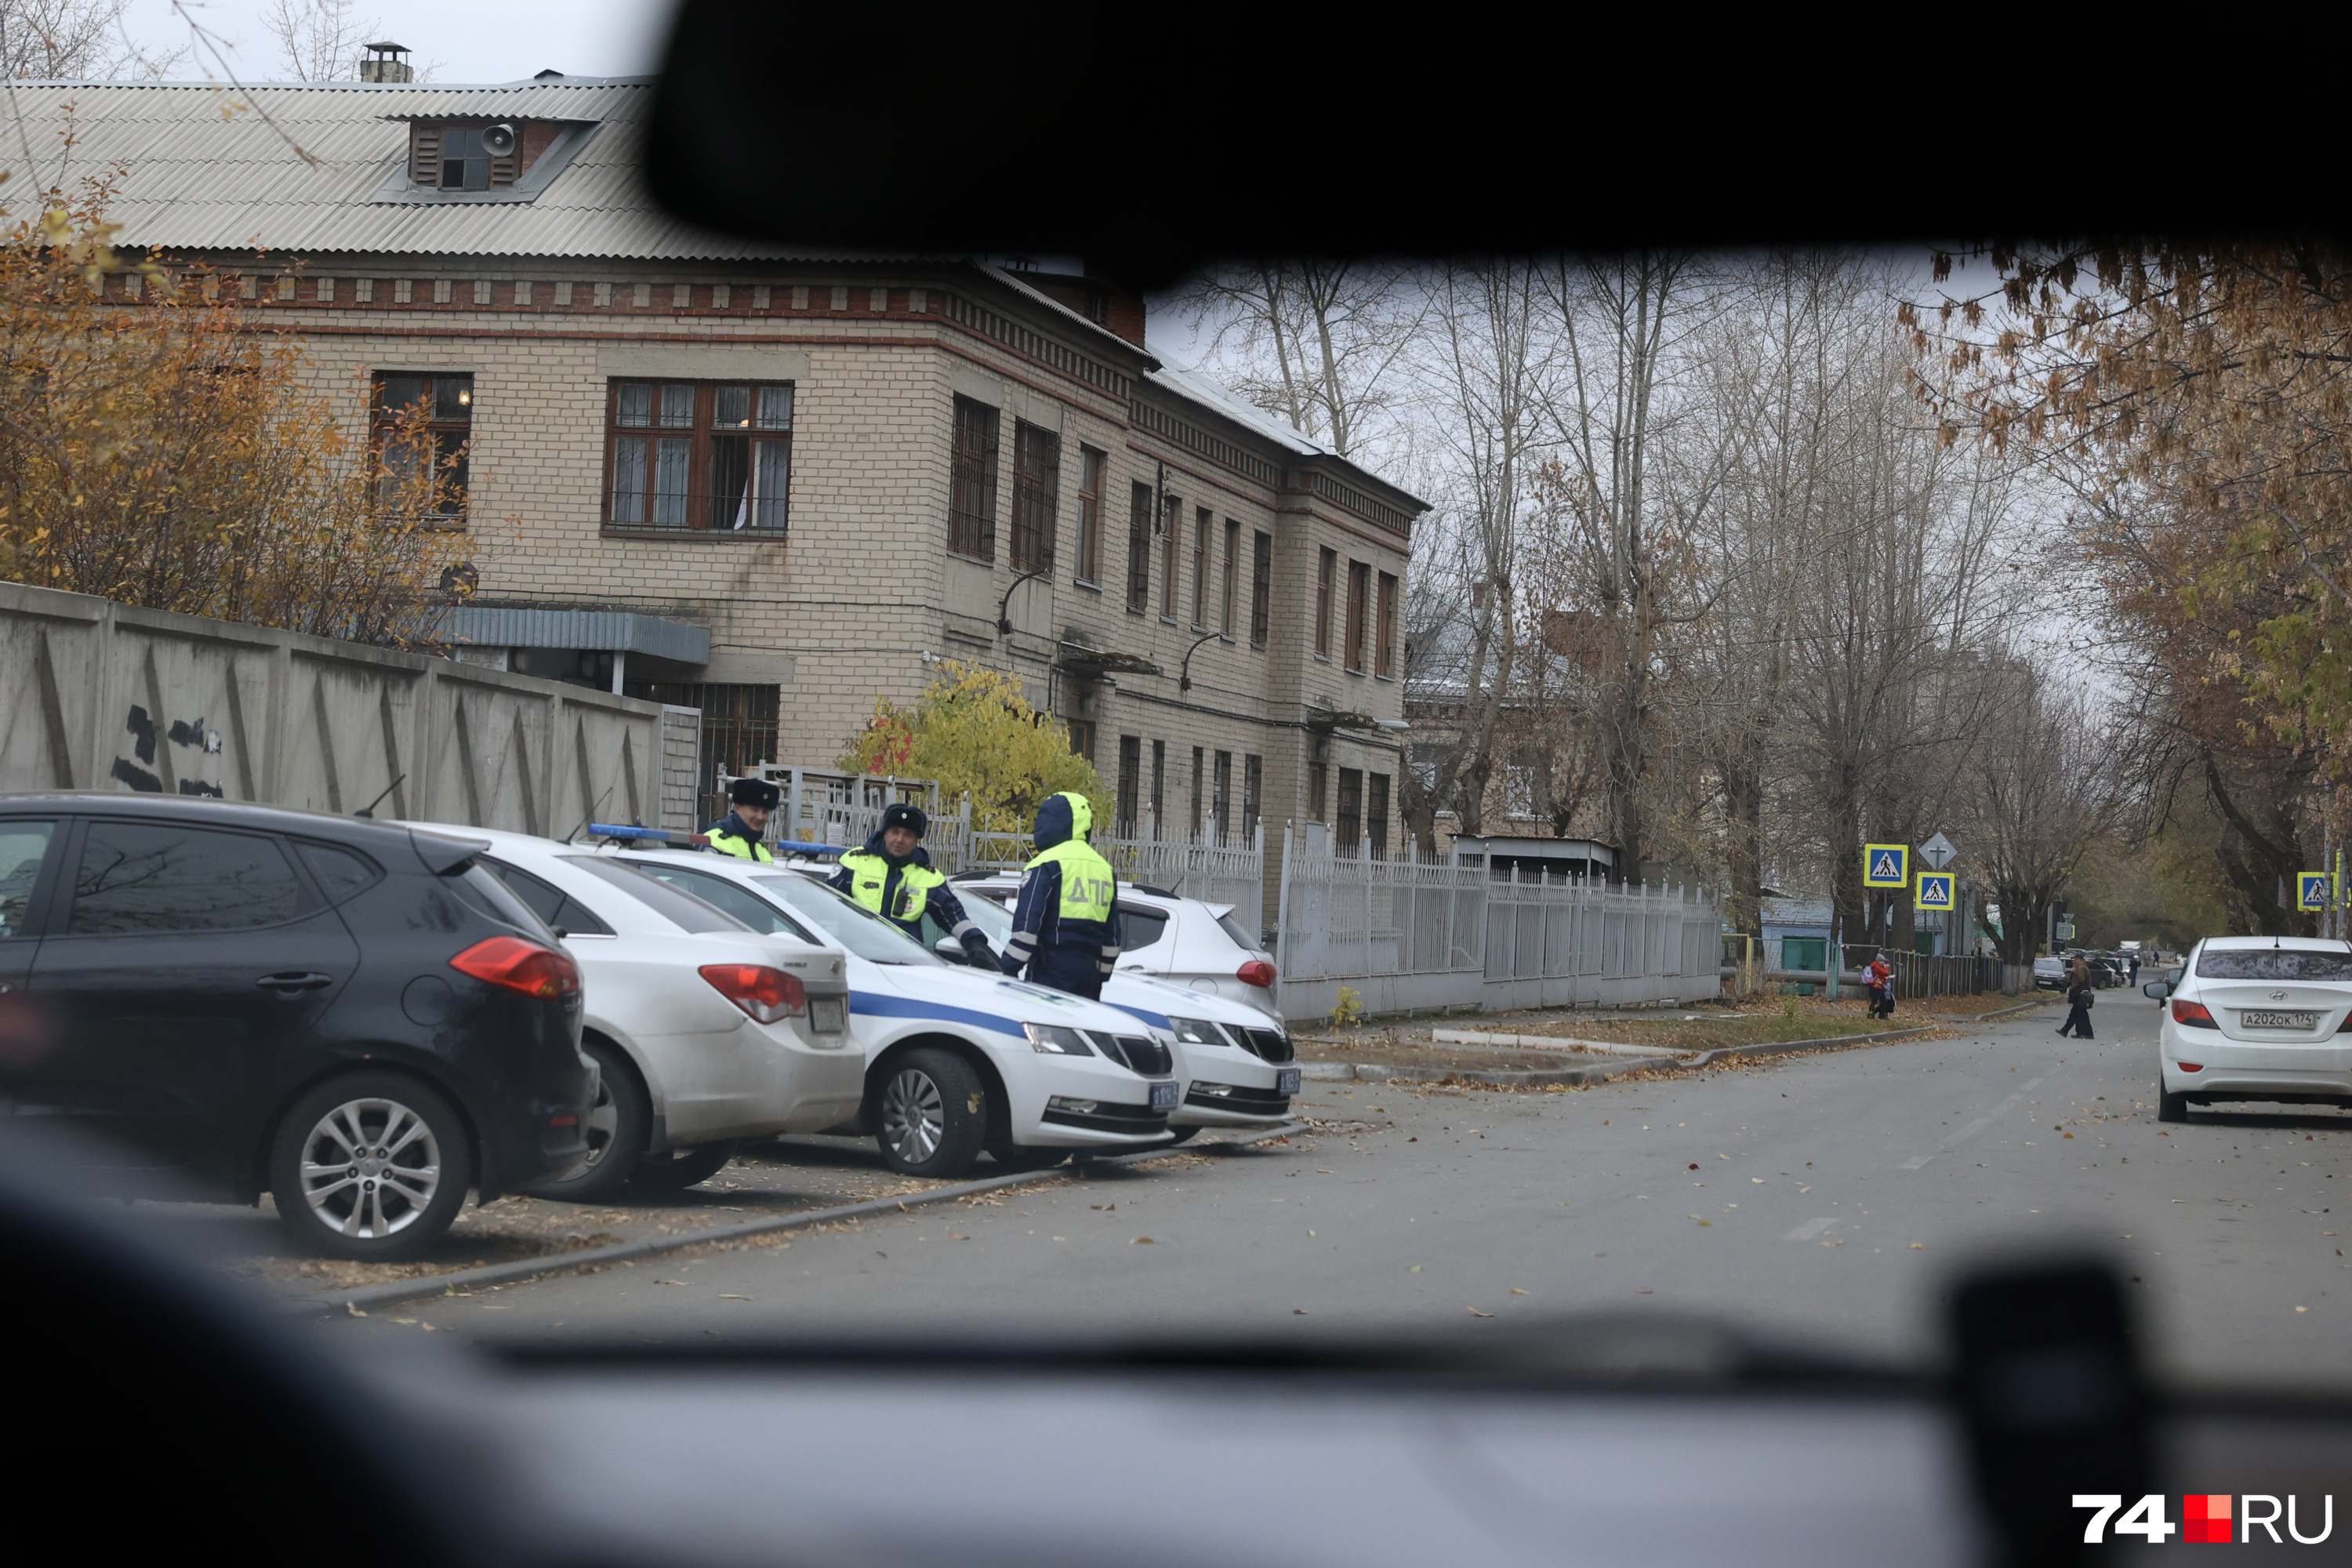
x=1186, y=941
x=354, y=1016
x=957, y=1062
x=1238, y=1060
x=705, y=1032
x=2256, y=1018
x=2049, y=973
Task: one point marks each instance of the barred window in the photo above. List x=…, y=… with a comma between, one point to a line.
x=971, y=487
x=1036, y=495
x=1138, y=548
x=1384, y=629
x=1327, y=569
x=1090, y=499
x=1360, y=588
x=1261, y=589
x=699, y=455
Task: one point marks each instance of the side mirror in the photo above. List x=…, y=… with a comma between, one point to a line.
x=952, y=950
x=2157, y=990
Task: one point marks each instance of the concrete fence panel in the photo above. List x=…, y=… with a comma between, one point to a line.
x=104, y=696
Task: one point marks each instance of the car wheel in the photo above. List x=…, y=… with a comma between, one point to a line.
x=619, y=1127
x=933, y=1114
x=371, y=1165
x=682, y=1168
x=2171, y=1107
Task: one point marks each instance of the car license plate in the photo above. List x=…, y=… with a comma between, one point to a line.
x=1163, y=1096
x=2254, y=1020
x=826, y=1015
x=1287, y=1081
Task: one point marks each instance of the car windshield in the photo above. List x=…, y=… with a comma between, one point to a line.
x=2274, y=963
x=859, y=930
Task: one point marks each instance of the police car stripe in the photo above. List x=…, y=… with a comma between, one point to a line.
x=1157, y=1020
x=906, y=1007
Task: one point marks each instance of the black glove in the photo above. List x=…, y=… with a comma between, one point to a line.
x=977, y=952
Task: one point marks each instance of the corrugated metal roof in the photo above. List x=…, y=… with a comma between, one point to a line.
x=202, y=168
x=486, y=625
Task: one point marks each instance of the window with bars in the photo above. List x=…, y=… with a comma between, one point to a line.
x=1261, y=589
x=1199, y=754
x=1131, y=783
x=1376, y=813
x=1036, y=495
x=699, y=455
x=1090, y=485
x=1253, y=780
x=1138, y=548
x=1221, y=794
x=1326, y=570
x=971, y=481
x=1360, y=588
x=1348, y=833
x=1171, y=524
x=1159, y=786
x=1232, y=575
x=1384, y=630
x=424, y=428
x=739, y=731
x=1203, y=520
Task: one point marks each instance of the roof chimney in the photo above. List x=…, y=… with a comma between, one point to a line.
x=386, y=62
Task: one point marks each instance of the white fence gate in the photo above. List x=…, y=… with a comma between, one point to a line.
x=1424, y=936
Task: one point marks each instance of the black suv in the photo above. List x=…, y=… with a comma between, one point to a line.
x=351, y=1015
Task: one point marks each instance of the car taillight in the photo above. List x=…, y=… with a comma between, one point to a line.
x=2194, y=1014
x=2192, y=1066
x=767, y=994
x=519, y=966
x=1258, y=972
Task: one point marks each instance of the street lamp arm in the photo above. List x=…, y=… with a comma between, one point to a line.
x=1003, y=622
x=1184, y=676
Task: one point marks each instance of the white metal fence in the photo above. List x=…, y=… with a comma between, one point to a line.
x=1412, y=936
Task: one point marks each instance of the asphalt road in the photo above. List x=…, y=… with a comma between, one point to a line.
x=1825, y=1197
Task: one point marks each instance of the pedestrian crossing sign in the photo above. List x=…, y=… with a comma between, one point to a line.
x=1887, y=865
x=2314, y=891
x=1935, y=890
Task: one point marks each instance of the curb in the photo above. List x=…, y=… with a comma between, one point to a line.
x=653, y=1246
x=1996, y=1012
x=1366, y=1072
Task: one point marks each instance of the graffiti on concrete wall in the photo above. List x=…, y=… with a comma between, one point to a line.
x=147, y=767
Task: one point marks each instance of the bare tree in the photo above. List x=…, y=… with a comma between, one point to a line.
x=2043, y=786
x=73, y=41
x=318, y=40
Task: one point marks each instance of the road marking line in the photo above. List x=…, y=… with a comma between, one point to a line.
x=1970, y=1131
x=2030, y=1084
x=1914, y=1162
x=1810, y=1230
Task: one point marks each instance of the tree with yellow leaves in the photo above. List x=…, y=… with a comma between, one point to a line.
x=974, y=731
x=159, y=448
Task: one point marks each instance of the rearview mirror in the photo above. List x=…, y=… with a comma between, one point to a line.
x=2156, y=989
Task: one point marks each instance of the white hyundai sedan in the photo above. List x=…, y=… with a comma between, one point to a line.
x=2259, y=1018
x=705, y=1032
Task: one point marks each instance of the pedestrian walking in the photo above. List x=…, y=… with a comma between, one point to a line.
x=738, y=832
x=1881, y=977
x=893, y=877
x=2080, y=996
x=1064, y=932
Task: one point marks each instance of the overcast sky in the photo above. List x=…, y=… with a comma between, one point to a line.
x=465, y=40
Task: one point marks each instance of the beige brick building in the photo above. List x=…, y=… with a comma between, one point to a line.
x=779, y=484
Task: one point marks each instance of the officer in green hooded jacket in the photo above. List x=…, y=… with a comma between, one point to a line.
x=1065, y=926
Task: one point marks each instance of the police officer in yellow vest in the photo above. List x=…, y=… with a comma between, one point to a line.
x=738, y=833
x=893, y=877
x=1065, y=929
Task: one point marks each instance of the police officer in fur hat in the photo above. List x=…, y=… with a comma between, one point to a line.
x=893, y=875
x=738, y=833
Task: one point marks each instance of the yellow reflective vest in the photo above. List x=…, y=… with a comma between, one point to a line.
x=869, y=875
